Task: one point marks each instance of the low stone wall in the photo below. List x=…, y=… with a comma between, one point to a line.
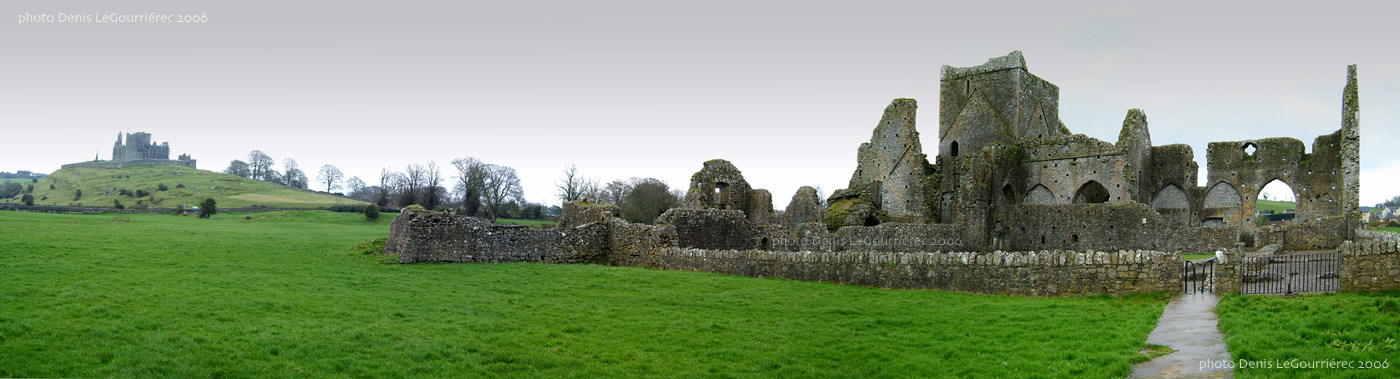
x=711, y=228
x=1043, y=273
x=1372, y=262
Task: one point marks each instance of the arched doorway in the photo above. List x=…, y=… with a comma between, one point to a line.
x=1275, y=203
x=1091, y=192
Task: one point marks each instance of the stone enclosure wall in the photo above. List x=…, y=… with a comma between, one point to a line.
x=1372, y=262
x=842, y=257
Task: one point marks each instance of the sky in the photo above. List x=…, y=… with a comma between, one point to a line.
x=786, y=91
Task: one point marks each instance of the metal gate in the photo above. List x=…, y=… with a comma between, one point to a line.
x=1291, y=273
x=1198, y=277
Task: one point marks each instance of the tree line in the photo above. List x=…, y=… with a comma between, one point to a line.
x=641, y=199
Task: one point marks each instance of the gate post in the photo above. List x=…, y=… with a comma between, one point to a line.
x=1227, y=272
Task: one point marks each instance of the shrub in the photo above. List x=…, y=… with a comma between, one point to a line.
x=1392, y=224
x=124, y=192
x=371, y=212
x=207, y=208
x=77, y=195
x=161, y=187
x=118, y=204
x=35, y=180
x=29, y=188
x=346, y=208
x=10, y=189
x=28, y=199
x=179, y=210
x=51, y=186
x=181, y=185
x=142, y=193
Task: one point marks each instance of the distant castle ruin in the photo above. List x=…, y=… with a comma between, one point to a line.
x=138, y=150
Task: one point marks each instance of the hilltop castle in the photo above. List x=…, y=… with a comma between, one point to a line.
x=138, y=150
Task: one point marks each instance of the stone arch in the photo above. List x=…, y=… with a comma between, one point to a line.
x=1170, y=197
x=1222, y=195
x=1008, y=194
x=953, y=149
x=1091, y=192
x=1039, y=195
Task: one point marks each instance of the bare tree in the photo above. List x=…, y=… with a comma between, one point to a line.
x=330, y=175
x=432, y=193
x=591, y=190
x=571, y=188
x=501, y=186
x=411, y=184
x=357, y=189
x=293, y=175
x=387, y=179
x=470, y=177
x=615, y=193
x=259, y=165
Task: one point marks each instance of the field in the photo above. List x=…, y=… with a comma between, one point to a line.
x=287, y=294
x=20, y=181
x=1395, y=230
x=186, y=187
x=1271, y=205
x=1336, y=326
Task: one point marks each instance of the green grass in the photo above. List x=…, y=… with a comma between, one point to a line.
x=1271, y=205
x=1192, y=257
x=289, y=294
x=1334, y=326
x=101, y=186
x=530, y=223
x=1388, y=229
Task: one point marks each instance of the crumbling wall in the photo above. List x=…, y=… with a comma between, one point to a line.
x=428, y=236
x=1320, y=233
x=710, y=228
x=893, y=162
x=805, y=207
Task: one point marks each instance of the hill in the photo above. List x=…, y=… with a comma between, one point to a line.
x=184, y=187
x=1271, y=205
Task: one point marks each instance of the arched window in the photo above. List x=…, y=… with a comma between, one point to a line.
x=953, y=150
x=1091, y=192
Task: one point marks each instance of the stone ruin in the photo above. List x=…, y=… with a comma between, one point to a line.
x=137, y=150
x=1009, y=176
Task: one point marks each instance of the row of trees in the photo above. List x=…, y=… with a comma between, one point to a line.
x=260, y=167
x=641, y=199
x=476, y=188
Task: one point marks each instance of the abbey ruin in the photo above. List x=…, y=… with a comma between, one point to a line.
x=137, y=150
x=1013, y=202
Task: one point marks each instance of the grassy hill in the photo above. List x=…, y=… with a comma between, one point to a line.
x=1271, y=205
x=185, y=186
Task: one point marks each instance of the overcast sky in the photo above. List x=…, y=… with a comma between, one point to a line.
x=785, y=90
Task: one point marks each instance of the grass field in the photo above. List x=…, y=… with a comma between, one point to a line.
x=284, y=294
x=1395, y=230
x=530, y=223
x=1335, y=326
x=1271, y=205
x=101, y=186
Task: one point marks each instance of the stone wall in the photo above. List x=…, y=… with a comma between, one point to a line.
x=1320, y=233
x=1039, y=273
x=1372, y=262
x=1102, y=227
